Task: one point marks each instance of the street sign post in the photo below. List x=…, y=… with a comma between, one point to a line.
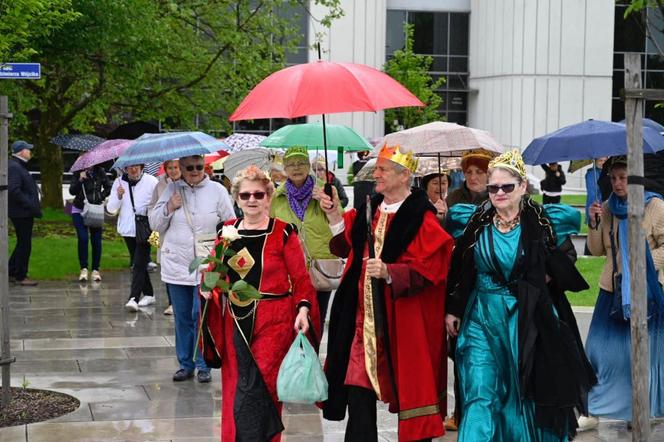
x=20, y=71
x=8, y=71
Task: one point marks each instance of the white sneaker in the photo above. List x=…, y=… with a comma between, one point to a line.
x=145, y=301
x=96, y=277
x=152, y=266
x=587, y=423
x=169, y=310
x=83, y=276
x=131, y=305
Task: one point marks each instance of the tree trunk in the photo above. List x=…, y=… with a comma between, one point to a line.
x=50, y=165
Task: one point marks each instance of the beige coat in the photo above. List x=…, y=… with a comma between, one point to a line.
x=599, y=241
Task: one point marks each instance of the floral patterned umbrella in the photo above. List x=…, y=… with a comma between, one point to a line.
x=240, y=141
x=106, y=151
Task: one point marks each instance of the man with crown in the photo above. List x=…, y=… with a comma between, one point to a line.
x=386, y=335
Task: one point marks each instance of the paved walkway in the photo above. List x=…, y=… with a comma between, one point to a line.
x=79, y=340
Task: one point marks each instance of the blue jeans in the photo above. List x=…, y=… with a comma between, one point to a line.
x=186, y=305
x=95, y=239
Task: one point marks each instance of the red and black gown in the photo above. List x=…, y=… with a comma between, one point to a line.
x=250, y=339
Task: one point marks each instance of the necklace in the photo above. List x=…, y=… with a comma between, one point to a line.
x=503, y=225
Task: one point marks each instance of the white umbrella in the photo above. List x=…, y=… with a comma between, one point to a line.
x=260, y=157
x=441, y=138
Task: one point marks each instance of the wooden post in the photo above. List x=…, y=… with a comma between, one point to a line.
x=637, y=266
x=5, y=357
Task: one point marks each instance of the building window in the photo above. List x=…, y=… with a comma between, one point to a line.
x=298, y=56
x=630, y=36
x=443, y=36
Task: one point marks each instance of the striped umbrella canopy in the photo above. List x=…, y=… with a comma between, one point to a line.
x=239, y=141
x=82, y=143
x=150, y=148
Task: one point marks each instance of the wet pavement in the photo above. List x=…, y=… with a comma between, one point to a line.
x=79, y=340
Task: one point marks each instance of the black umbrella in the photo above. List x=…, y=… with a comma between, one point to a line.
x=78, y=142
x=133, y=130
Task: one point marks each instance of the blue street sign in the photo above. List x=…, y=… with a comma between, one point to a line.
x=20, y=71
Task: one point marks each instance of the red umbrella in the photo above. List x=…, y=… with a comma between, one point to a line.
x=323, y=87
x=209, y=159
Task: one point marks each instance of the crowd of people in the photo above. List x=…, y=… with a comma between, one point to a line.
x=477, y=273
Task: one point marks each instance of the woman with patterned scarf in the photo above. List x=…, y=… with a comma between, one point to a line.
x=297, y=202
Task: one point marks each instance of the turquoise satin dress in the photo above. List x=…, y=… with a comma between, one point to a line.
x=487, y=348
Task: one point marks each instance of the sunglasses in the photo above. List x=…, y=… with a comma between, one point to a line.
x=244, y=196
x=507, y=188
x=191, y=167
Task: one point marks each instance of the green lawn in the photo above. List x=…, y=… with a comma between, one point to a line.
x=54, y=248
x=591, y=269
x=55, y=257
x=572, y=200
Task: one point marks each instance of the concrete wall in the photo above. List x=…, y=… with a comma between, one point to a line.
x=538, y=65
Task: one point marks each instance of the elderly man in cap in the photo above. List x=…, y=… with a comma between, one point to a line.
x=386, y=336
x=23, y=208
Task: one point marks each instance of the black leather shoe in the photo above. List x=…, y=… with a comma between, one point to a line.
x=182, y=375
x=204, y=377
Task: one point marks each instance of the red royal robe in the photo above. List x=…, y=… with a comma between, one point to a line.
x=415, y=307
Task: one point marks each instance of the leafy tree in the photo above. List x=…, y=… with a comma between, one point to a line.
x=22, y=20
x=412, y=70
x=182, y=62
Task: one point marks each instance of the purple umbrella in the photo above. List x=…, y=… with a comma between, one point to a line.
x=106, y=151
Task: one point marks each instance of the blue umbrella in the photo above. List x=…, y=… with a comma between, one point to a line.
x=647, y=122
x=82, y=143
x=588, y=140
x=151, y=148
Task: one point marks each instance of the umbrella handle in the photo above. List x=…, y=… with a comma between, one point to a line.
x=328, y=189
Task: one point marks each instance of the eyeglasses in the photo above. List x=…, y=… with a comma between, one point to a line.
x=507, y=188
x=191, y=167
x=295, y=165
x=244, y=196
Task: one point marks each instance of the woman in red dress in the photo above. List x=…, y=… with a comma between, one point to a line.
x=249, y=339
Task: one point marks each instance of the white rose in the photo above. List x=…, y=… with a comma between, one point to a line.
x=229, y=233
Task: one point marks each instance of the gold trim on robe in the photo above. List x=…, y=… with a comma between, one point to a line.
x=369, y=324
x=418, y=412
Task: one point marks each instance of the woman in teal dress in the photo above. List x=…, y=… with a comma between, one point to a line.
x=520, y=361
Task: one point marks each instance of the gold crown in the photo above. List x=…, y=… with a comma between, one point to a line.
x=394, y=154
x=511, y=160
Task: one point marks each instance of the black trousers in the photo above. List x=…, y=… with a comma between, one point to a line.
x=140, y=278
x=361, y=426
x=546, y=199
x=18, y=262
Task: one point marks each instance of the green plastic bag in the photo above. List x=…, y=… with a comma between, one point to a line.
x=301, y=378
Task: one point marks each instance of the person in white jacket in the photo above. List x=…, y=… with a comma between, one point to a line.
x=142, y=185
x=189, y=209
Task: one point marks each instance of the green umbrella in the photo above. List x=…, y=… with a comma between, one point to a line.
x=310, y=135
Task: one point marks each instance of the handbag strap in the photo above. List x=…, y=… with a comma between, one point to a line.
x=303, y=242
x=131, y=196
x=85, y=196
x=613, y=254
x=187, y=215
